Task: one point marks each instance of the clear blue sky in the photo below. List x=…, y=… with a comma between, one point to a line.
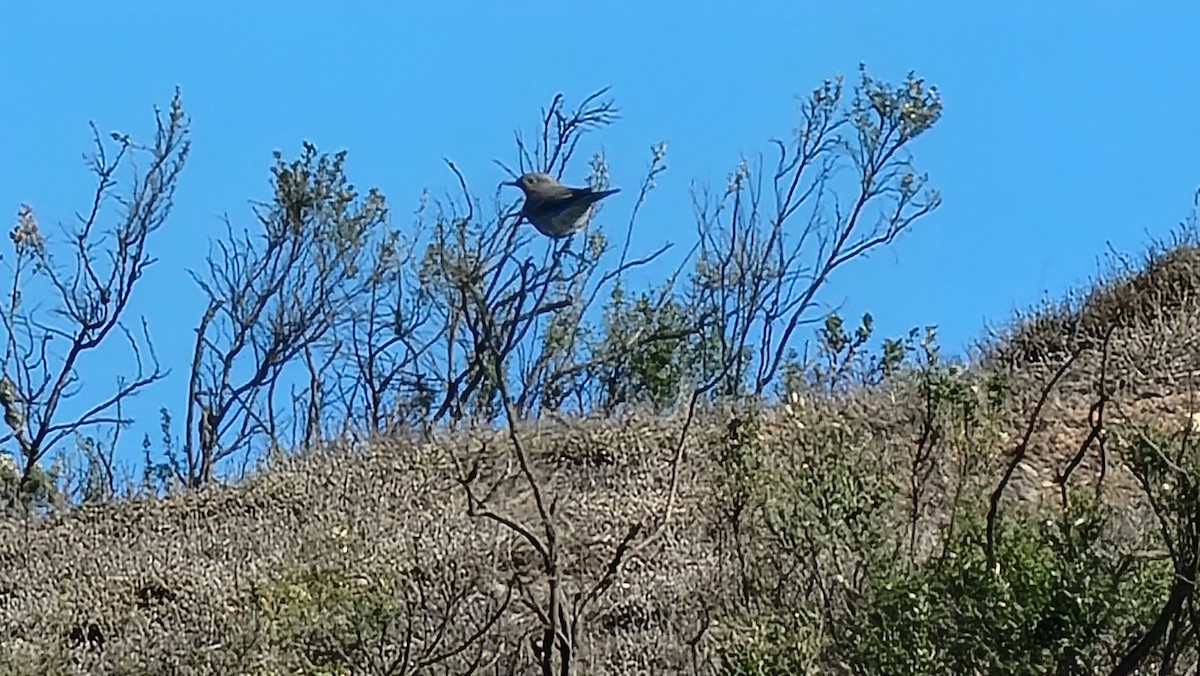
x=1066, y=125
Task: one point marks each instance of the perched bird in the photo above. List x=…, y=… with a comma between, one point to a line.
x=554, y=209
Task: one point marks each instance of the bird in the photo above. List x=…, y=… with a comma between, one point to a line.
x=556, y=210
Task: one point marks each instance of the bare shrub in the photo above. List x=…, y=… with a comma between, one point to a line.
x=272, y=298
x=761, y=266
x=45, y=347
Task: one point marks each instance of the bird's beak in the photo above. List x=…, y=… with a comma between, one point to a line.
x=512, y=183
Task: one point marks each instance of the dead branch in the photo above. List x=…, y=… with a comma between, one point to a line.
x=90, y=294
x=1019, y=453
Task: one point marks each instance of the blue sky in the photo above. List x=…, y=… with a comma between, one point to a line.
x=1066, y=127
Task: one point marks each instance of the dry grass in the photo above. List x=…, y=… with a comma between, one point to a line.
x=163, y=586
x=294, y=567
x=174, y=585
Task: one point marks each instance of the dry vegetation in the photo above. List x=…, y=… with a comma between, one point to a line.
x=491, y=482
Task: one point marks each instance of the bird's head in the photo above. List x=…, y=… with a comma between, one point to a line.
x=532, y=181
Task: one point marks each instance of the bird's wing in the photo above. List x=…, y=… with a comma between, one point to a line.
x=574, y=199
x=592, y=194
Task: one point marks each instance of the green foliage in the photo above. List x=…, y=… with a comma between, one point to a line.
x=803, y=512
x=771, y=646
x=1166, y=464
x=844, y=359
x=37, y=491
x=646, y=353
x=830, y=581
x=1066, y=599
x=317, y=202
x=333, y=613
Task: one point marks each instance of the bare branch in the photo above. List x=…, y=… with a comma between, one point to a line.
x=90, y=293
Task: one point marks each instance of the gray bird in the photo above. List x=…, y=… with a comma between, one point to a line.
x=555, y=210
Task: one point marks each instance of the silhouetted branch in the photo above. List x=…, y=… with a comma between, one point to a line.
x=91, y=293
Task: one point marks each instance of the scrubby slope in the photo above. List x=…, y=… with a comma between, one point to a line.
x=191, y=582
x=231, y=578
x=361, y=557
x=1132, y=339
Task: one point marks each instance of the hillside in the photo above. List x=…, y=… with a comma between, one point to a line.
x=363, y=557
